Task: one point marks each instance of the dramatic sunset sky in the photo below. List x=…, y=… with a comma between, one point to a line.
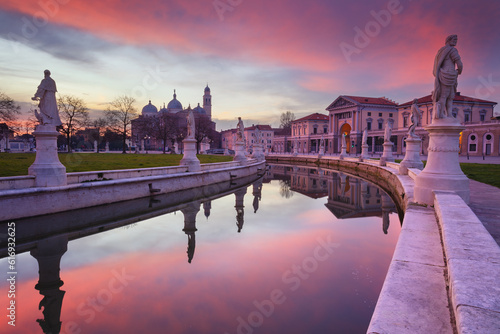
x=260, y=58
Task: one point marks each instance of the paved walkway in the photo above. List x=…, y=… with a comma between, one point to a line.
x=485, y=202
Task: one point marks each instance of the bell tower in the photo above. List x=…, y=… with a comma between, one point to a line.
x=207, y=102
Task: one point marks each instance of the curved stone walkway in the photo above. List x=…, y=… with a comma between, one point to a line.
x=485, y=203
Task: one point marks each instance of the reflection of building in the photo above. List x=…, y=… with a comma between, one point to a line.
x=310, y=182
x=350, y=197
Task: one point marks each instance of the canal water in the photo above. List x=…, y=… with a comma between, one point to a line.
x=299, y=250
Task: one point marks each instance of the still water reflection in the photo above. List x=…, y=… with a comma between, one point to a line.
x=301, y=250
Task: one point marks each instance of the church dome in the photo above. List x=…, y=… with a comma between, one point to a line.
x=174, y=105
x=164, y=109
x=207, y=89
x=149, y=109
x=200, y=110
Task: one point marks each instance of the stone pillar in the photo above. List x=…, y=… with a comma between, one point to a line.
x=387, y=154
x=442, y=171
x=190, y=159
x=240, y=155
x=47, y=169
x=412, y=155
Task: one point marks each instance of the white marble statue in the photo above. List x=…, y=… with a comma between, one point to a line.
x=191, y=128
x=46, y=95
x=240, y=131
x=322, y=143
x=344, y=144
x=258, y=136
x=388, y=131
x=447, y=67
x=365, y=136
x=416, y=113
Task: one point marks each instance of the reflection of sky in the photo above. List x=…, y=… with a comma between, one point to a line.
x=229, y=272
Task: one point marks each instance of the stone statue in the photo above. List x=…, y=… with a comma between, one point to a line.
x=240, y=131
x=46, y=95
x=344, y=144
x=388, y=131
x=365, y=136
x=322, y=142
x=447, y=67
x=258, y=136
x=415, y=119
x=191, y=128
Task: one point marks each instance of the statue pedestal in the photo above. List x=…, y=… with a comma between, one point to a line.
x=343, y=152
x=258, y=152
x=47, y=169
x=412, y=156
x=387, y=154
x=442, y=171
x=190, y=159
x=239, y=156
x=364, y=152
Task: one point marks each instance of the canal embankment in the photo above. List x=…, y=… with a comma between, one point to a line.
x=443, y=276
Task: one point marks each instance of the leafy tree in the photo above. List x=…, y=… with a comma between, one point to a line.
x=8, y=109
x=119, y=115
x=74, y=116
x=286, y=119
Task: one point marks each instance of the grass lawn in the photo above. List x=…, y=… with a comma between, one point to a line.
x=14, y=164
x=486, y=173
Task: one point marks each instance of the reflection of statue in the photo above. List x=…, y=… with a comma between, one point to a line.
x=240, y=131
x=46, y=94
x=446, y=75
x=52, y=305
x=191, y=246
x=388, y=131
x=240, y=214
x=415, y=118
x=190, y=125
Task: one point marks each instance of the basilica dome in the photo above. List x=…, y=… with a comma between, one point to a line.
x=174, y=105
x=149, y=109
x=199, y=110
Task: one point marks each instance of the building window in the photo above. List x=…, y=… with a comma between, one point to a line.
x=454, y=112
x=325, y=130
x=380, y=124
x=390, y=114
x=369, y=125
x=405, y=121
x=315, y=130
x=379, y=114
x=466, y=116
x=369, y=113
x=482, y=117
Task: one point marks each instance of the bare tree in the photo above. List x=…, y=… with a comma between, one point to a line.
x=8, y=108
x=100, y=125
x=74, y=116
x=119, y=114
x=286, y=120
x=204, y=130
